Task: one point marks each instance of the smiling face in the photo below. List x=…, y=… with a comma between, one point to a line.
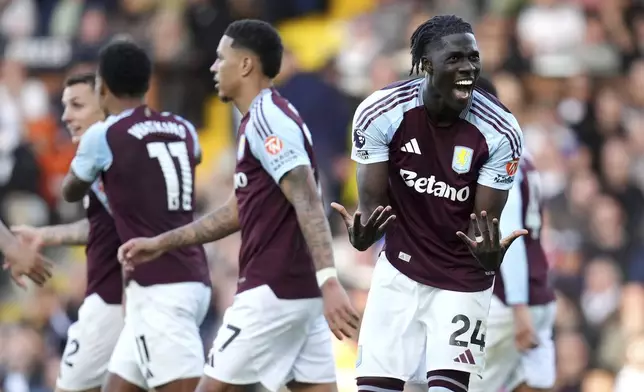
x=81, y=109
x=455, y=66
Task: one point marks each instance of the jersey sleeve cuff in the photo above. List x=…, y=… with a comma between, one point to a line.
x=496, y=185
x=371, y=159
x=87, y=177
x=277, y=176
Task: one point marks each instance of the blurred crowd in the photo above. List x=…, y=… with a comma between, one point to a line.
x=572, y=72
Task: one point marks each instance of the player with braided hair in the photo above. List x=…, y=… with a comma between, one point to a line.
x=436, y=158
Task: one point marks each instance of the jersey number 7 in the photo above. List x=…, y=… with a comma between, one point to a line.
x=178, y=181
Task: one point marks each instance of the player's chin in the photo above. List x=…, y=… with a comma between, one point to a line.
x=461, y=96
x=460, y=99
x=224, y=97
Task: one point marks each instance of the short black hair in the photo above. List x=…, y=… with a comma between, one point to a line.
x=486, y=85
x=260, y=38
x=125, y=69
x=431, y=32
x=81, y=78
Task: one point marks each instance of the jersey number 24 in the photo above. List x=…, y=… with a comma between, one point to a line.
x=178, y=178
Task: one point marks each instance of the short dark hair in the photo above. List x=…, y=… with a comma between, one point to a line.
x=486, y=85
x=431, y=32
x=125, y=68
x=260, y=38
x=81, y=78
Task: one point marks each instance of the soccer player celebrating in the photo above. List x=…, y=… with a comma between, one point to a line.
x=146, y=162
x=90, y=340
x=274, y=332
x=520, y=353
x=440, y=156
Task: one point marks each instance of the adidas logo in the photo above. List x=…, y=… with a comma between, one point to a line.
x=466, y=357
x=411, y=146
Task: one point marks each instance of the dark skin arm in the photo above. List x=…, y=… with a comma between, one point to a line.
x=74, y=189
x=373, y=184
x=490, y=200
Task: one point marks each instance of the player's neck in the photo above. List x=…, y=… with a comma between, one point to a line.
x=249, y=92
x=120, y=105
x=436, y=108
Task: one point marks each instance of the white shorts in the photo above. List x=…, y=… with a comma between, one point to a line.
x=90, y=343
x=506, y=366
x=409, y=328
x=272, y=341
x=160, y=342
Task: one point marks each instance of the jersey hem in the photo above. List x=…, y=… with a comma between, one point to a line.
x=465, y=287
x=372, y=160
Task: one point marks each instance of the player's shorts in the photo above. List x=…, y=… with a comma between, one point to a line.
x=272, y=341
x=506, y=366
x=90, y=343
x=409, y=328
x=160, y=341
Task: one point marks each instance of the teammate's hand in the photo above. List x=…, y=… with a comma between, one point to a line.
x=525, y=337
x=342, y=318
x=137, y=251
x=22, y=260
x=29, y=235
x=486, y=246
x=363, y=236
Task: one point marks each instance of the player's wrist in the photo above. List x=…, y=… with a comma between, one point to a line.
x=326, y=275
x=162, y=242
x=48, y=236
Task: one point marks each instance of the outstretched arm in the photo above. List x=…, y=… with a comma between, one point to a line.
x=216, y=225
x=75, y=233
x=299, y=187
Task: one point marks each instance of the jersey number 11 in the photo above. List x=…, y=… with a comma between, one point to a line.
x=178, y=181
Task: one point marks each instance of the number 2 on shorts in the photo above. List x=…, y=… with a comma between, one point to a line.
x=75, y=346
x=236, y=332
x=474, y=339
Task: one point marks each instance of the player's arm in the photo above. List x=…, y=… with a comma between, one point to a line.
x=496, y=178
x=75, y=233
x=514, y=268
x=214, y=226
x=370, y=149
x=299, y=187
x=92, y=157
x=497, y=175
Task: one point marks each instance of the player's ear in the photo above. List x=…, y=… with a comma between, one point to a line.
x=247, y=65
x=427, y=66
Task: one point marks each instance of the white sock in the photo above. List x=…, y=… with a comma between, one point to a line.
x=439, y=389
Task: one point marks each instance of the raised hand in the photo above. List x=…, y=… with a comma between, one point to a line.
x=486, y=246
x=137, y=251
x=363, y=236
